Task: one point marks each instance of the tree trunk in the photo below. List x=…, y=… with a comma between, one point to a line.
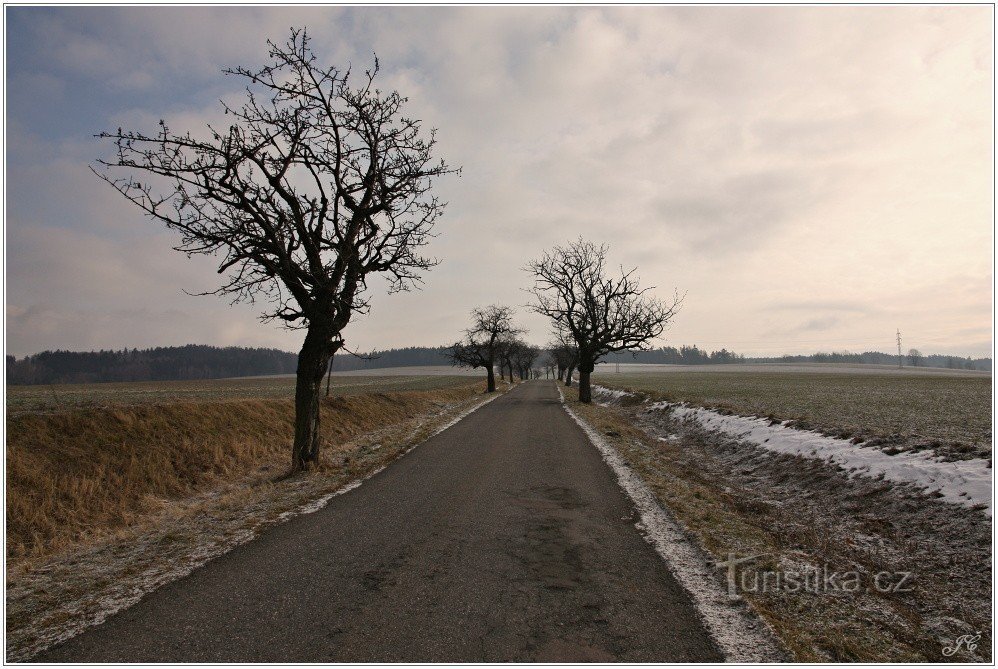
x=312, y=361
x=568, y=375
x=561, y=373
x=329, y=375
x=585, y=392
x=491, y=387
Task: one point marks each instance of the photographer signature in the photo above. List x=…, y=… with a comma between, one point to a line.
x=967, y=641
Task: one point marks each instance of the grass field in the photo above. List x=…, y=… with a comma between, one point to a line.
x=953, y=412
x=50, y=398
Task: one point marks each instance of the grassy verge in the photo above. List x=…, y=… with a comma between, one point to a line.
x=800, y=516
x=78, y=475
x=949, y=415
x=170, y=487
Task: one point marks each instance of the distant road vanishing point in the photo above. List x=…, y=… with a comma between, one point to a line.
x=503, y=538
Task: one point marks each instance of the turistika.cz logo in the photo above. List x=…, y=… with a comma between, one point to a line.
x=809, y=579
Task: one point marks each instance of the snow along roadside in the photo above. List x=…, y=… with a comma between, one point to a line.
x=965, y=482
x=739, y=633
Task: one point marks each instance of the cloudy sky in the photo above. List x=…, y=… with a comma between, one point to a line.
x=813, y=178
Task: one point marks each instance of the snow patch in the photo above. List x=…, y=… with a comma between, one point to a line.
x=740, y=634
x=319, y=503
x=605, y=396
x=965, y=482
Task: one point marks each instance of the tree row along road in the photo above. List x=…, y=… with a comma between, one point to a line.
x=503, y=538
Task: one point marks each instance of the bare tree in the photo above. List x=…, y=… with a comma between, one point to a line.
x=505, y=348
x=314, y=186
x=490, y=327
x=915, y=357
x=565, y=353
x=602, y=314
x=523, y=358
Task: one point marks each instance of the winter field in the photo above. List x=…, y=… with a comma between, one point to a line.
x=50, y=398
x=945, y=411
x=801, y=472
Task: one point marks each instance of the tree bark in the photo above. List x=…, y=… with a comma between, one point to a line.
x=585, y=392
x=312, y=361
x=568, y=375
x=329, y=375
x=491, y=387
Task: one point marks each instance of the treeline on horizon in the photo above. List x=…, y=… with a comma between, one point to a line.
x=691, y=355
x=192, y=362
x=196, y=362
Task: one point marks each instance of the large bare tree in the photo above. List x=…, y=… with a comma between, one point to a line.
x=319, y=182
x=603, y=314
x=491, y=327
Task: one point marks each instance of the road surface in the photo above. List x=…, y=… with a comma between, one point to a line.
x=503, y=538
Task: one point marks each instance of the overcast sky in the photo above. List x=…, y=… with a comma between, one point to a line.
x=813, y=178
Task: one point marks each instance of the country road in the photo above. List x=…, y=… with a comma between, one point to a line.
x=503, y=538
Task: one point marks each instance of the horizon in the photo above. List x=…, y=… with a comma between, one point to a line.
x=924, y=354
x=804, y=201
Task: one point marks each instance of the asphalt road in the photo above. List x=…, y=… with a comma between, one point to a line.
x=503, y=538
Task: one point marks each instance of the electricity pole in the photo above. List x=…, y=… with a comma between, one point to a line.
x=900, y=359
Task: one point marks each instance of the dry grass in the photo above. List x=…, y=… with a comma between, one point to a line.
x=78, y=475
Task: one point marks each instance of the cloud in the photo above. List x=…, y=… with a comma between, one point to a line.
x=758, y=157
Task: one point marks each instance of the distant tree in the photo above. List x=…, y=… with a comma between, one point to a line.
x=565, y=353
x=602, y=314
x=915, y=357
x=691, y=355
x=505, y=350
x=723, y=356
x=481, y=344
x=523, y=358
x=550, y=365
x=315, y=186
